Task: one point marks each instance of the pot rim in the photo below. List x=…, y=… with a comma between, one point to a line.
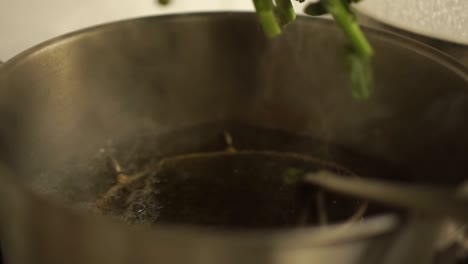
x=396, y=39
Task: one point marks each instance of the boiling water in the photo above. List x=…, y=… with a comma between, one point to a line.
x=230, y=189
x=232, y=177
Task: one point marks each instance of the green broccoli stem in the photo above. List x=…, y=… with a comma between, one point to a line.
x=266, y=16
x=348, y=23
x=360, y=74
x=360, y=52
x=285, y=11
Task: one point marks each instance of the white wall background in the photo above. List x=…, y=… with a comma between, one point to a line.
x=25, y=23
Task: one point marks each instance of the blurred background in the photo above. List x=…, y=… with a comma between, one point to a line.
x=25, y=23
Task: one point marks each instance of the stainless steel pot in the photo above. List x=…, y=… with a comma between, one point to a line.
x=64, y=102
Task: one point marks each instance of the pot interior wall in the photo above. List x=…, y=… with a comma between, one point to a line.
x=68, y=104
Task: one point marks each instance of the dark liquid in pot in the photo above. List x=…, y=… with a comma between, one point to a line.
x=242, y=189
